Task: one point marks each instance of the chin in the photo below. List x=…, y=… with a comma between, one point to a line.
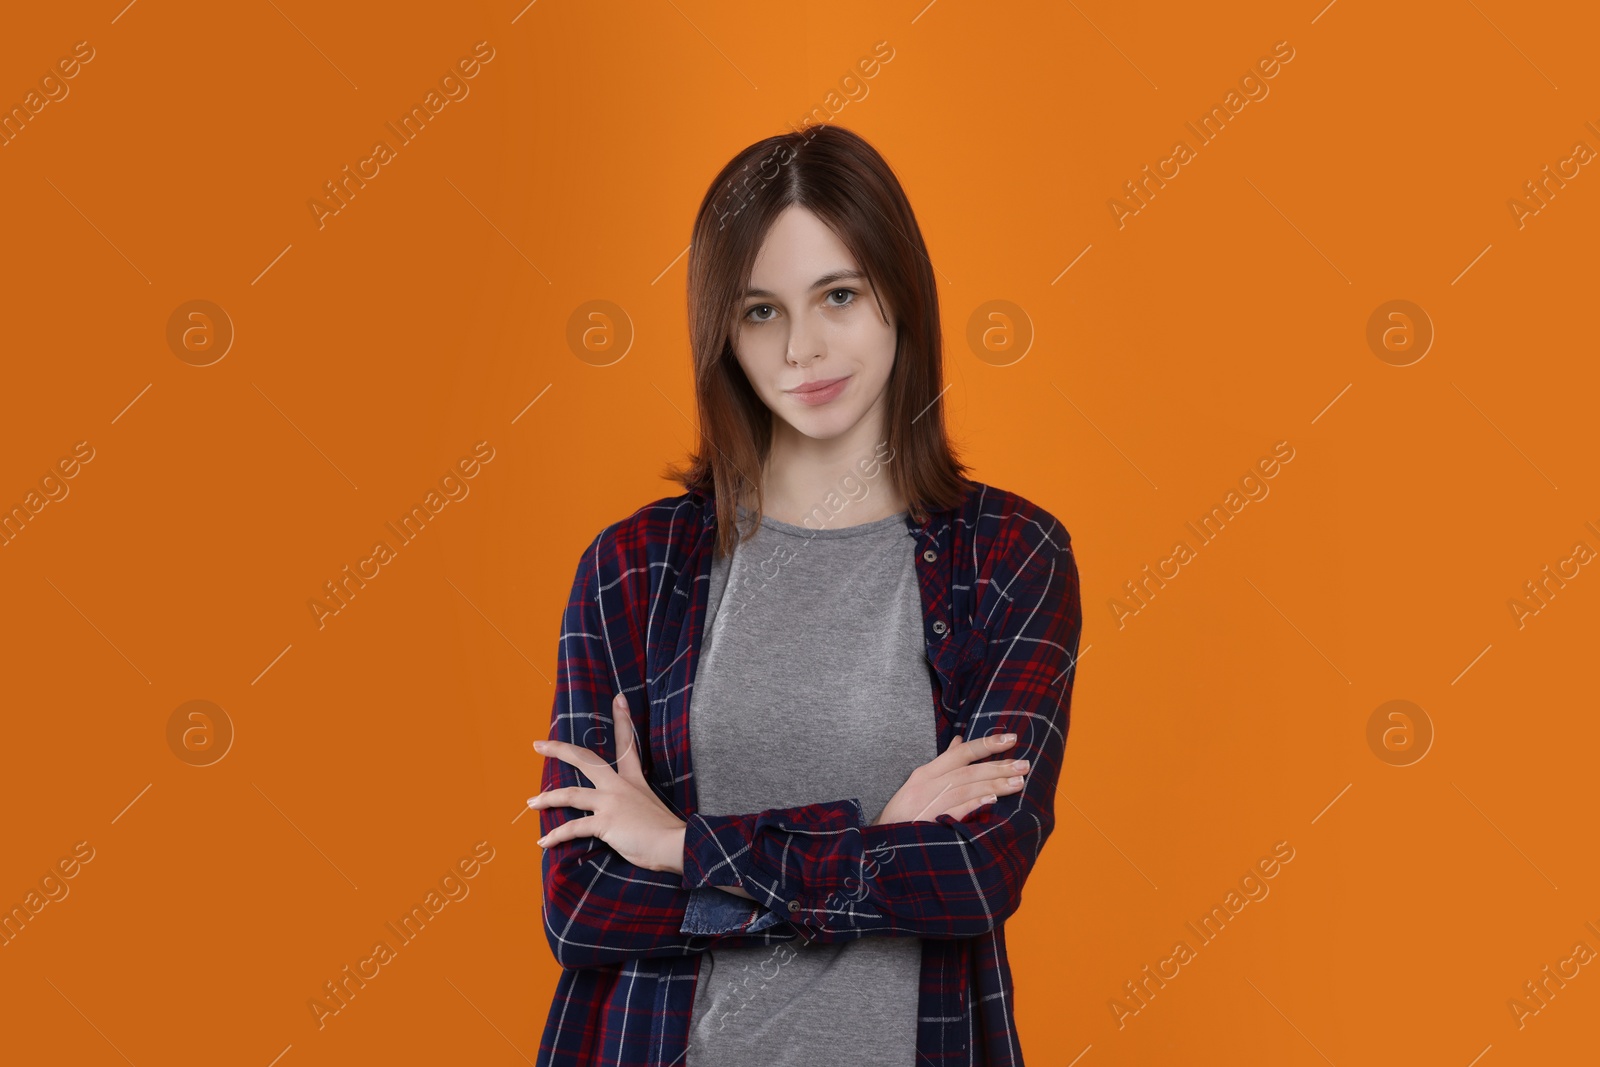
x=824, y=426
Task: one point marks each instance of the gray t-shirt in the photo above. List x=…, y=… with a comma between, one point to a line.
x=813, y=685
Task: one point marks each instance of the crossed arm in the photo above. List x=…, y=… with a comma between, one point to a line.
x=600, y=908
x=817, y=870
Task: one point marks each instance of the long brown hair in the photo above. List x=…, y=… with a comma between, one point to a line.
x=834, y=173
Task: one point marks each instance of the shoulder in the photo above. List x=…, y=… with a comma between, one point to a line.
x=1020, y=553
x=653, y=525
x=1009, y=526
x=662, y=531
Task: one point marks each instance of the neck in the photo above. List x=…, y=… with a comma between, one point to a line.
x=847, y=477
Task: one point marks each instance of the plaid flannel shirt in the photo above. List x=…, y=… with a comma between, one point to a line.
x=1002, y=620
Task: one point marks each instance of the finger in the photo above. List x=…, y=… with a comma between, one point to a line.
x=989, y=744
x=628, y=763
x=961, y=811
x=966, y=799
x=963, y=751
x=576, y=755
x=584, y=827
x=949, y=759
x=572, y=796
x=1005, y=785
x=992, y=769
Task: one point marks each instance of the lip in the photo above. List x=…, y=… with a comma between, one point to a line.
x=819, y=392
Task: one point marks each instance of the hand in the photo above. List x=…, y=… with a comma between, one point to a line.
x=953, y=784
x=628, y=815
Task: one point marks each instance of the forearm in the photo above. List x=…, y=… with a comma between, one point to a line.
x=600, y=909
x=674, y=848
x=836, y=879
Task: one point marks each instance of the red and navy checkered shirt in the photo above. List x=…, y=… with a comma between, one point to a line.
x=1001, y=619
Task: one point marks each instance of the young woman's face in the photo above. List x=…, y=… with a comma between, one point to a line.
x=809, y=318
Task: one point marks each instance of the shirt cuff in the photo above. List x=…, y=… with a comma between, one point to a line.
x=714, y=911
x=720, y=850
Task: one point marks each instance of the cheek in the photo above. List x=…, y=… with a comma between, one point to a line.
x=874, y=345
x=748, y=351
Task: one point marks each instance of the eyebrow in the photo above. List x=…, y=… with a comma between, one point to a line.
x=826, y=279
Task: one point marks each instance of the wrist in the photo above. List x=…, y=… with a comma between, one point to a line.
x=673, y=848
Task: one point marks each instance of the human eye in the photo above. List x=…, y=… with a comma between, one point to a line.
x=749, y=312
x=849, y=293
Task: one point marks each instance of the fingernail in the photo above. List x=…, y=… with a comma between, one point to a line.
x=1009, y=737
x=990, y=799
x=542, y=840
x=538, y=746
x=620, y=699
x=1021, y=764
x=1016, y=780
x=534, y=800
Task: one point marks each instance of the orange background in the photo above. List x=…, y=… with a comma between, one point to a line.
x=1231, y=713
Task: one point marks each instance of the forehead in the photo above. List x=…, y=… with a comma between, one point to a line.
x=796, y=250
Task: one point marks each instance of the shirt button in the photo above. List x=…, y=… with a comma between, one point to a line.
x=939, y=627
x=794, y=905
x=930, y=555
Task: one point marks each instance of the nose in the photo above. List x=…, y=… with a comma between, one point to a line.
x=805, y=345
